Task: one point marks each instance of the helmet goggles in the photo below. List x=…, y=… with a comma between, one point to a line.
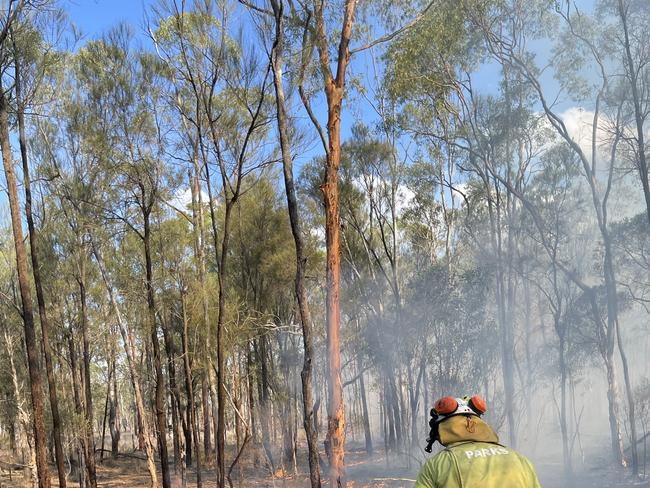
x=449, y=406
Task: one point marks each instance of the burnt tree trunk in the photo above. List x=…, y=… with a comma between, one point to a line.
x=296, y=230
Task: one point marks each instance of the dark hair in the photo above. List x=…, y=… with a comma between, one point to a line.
x=433, y=433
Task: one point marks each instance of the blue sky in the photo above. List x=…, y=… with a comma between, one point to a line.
x=93, y=17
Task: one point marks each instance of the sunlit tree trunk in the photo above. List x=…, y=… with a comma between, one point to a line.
x=36, y=270
x=33, y=363
x=334, y=90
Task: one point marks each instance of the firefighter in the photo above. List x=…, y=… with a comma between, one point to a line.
x=472, y=456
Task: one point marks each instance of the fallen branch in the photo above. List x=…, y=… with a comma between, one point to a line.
x=13, y=466
x=234, y=463
x=123, y=454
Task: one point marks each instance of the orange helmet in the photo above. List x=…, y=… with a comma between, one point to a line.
x=449, y=406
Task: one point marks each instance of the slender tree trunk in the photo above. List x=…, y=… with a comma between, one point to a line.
x=296, y=230
x=105, y=417
x=113, y=419
x=33, y=363
x=265, y=404
x=173, y=387
x=222, y=260
x=220, y=442
x=88, y=401
x=161, y=415
x=568, y=467
x=78, y=407
x=199, y=256
x=190, y=395
x=36, y=270
x=334, y=89
x=129, y=348
x=366, y=417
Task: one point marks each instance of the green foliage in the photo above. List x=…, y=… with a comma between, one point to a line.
x=421, y=63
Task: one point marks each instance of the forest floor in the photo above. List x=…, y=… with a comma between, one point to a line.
x=363, y=471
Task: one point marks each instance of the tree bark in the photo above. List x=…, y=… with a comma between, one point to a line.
x=190, y=397
x=113, y=419
x=36, y=270
x=334, y=90
x=301, y=260
x=33, y=363
x=366, y=417
x=161, y=415
x=88, y=401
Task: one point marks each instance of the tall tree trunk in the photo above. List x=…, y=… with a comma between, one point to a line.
x=199, y=257
x=205, y=410
x=36, y=270
x=78, y=407
x=251, y=393
x=334, y=89
x=265, y=404
x=161, y=415
x=566, y=452
x=614, y=338
x=129, y=349
x=296, y=230
x=88, y=401
x=106, y=404
x=190, y=396
x=221, y=260
x=220, y=441
x=35, y=375
x=113, y=418
x=173, y=387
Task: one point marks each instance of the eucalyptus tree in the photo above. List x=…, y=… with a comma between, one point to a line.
x=627, y=39
x=594, y=158
x=560, y=200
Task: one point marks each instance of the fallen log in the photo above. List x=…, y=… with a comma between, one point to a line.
x=123, y=454
x=5, y=466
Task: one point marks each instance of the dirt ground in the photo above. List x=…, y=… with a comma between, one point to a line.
x=376, y=472
x=129, y=472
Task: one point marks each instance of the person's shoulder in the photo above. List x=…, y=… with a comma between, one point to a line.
x=528, y=469
x=441, y=458
x=435, y=470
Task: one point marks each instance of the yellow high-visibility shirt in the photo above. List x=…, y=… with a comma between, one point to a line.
x=472, y=464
